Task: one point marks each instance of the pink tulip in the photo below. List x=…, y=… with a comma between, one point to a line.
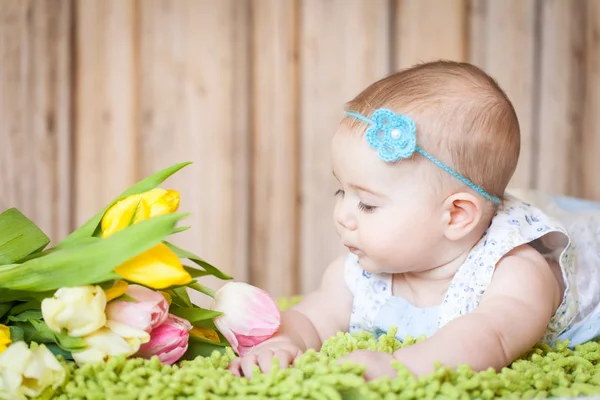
x=147, y=312
x=250, y=315
x=168, y=341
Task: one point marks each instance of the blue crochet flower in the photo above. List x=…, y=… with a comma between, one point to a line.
x=392, y=135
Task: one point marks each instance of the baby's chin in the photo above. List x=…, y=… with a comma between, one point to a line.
x=375, y=268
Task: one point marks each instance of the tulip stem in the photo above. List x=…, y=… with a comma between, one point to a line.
x=202, y=289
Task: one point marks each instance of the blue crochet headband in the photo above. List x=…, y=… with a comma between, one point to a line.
x=394, y=137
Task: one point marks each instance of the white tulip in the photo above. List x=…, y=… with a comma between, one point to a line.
x=79, y=310
x=114, y=340
x=28, y=372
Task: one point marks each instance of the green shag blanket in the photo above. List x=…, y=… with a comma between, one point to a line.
x=543, y=373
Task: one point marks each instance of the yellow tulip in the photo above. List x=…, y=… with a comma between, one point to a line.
x=157, y=268
x=118, y=289
x=4, y=337
x=205, y=333
x=138, y=207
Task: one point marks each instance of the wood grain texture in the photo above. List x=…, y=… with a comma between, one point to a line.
x=590, y=135
x=561, y=96
x=275, y=137
x=194, y=107
x=35, y=110
x=502, y=43
x=428, y=30
x=95, y=95
x=344, y=48
x=106, y=103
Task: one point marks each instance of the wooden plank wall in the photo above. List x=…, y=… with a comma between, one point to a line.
x=95, y=94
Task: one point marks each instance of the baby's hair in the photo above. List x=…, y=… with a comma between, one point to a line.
x=462, y=116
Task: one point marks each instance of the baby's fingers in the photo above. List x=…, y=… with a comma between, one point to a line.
x=234, y=366
x=265, y=360
x=285, y=358
x=248, y=362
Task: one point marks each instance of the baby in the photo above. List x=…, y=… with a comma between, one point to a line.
x=436, y=247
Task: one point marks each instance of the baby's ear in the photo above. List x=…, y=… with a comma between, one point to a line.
x=462, y=213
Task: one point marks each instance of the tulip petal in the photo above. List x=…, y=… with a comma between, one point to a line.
x=138, y=207
x=148, y=310
x=168, y=341
x=250, y=315
x=157, y=268
x=124, y=213
x=205, y=333
x=116, y=339
x=4, y=337
x=79, y=310
x=117, y=290
x=136, y=315
x=28, y=371
x=228, y=334
x=161, y=201
x=171, y=356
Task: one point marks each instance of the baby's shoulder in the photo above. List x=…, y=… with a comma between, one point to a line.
x=526, y=267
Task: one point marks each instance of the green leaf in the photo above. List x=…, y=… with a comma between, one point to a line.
x=181, y=253
x=194, y=314
x=89, y=264
x=195, y=272
x=26, y=316
x=205, y=323
x=38, y=331
x=125, y=297
x=57, y=351
x=4, y=308
x=8, y=295
x=202, y=347
x=182, y=293
x=90, y=227
x=202, y=289
x=30, y=305
x=176, y=300
x=69, y=343
x=19, y=237
x=84, y=241
x=16, y=333
x=30, y=333
x=182, y=229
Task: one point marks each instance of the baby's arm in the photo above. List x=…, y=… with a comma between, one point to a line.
x=320, y=315
x=511, y=318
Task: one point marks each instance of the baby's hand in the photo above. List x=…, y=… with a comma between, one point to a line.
x=378, y=364
x=262, y=355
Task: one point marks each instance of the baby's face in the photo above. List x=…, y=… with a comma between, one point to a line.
x=386, y=214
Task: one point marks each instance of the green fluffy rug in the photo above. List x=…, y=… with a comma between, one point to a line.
x=543, y=373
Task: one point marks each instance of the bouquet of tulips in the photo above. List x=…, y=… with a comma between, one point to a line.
x=114, y=287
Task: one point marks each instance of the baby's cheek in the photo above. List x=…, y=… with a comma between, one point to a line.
x=382, y=245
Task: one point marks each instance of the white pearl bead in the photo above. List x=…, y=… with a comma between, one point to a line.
x=395, y=134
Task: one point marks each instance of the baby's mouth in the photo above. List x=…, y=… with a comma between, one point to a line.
x=354, y=250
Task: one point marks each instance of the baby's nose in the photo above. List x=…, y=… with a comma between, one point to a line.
x=345, y=218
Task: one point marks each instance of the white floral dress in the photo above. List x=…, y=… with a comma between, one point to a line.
x=564, y=230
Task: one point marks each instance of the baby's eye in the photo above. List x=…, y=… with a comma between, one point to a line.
x=339, y=192
x=366, y=208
